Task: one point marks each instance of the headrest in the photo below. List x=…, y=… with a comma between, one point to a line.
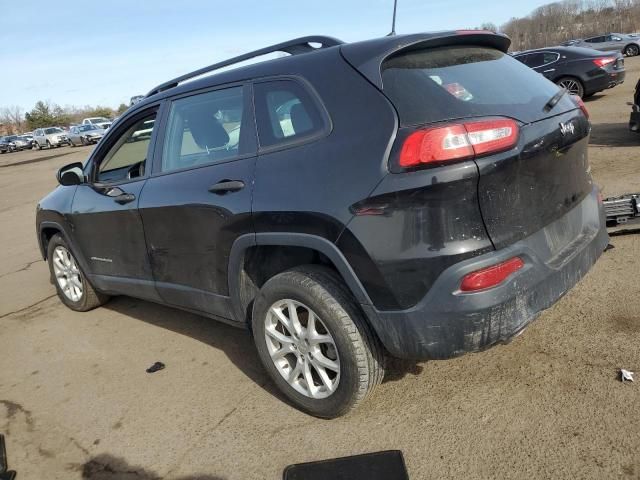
x=300, y=120
x=205, y=128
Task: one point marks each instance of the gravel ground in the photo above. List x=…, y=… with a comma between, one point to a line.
x=75, y=401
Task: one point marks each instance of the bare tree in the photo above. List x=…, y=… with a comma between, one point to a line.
x=13, y=118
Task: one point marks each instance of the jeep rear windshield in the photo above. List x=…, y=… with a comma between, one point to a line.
x=432, y=85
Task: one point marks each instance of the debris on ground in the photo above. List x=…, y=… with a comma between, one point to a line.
x=609, y=247
x=155, y=367
x=626, y=375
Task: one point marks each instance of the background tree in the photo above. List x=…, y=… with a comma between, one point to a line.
x=122, y=108
x=40, y=116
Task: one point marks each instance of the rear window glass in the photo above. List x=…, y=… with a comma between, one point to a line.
x=433, y=85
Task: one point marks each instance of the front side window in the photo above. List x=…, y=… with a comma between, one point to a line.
x=127, y=158
x=203, y=129
x=285, y=112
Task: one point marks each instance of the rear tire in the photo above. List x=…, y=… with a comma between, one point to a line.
x=72, y=286
x=338, y=355
x=572, y=85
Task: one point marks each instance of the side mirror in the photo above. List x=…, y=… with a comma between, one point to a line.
x=71, y=174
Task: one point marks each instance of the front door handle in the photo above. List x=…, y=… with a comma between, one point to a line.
x=125, y=198
x=226, y=186
x=550, y=70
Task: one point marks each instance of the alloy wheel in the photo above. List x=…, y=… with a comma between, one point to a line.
x=571, y=86
x=302, y=349
x=67, y=274
x=632, y=51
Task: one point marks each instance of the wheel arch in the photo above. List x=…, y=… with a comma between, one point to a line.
x=291, y=249
x=46, y=231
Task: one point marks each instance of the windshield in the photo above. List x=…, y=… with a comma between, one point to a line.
x=99, y=120
x=49, y=131
x=11, y=138
x=85, y=128
x=433, y=85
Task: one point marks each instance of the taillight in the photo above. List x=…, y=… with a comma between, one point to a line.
x=491, y=276
x=604, y=61
x=580, y=103
x=458, y=141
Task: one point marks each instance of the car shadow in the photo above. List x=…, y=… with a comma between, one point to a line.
x=594, y=97
x=236, y=343
x=109, y=467
x=613, y=135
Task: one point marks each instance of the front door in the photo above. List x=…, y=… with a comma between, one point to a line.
x=105, y=218
x=198, y=199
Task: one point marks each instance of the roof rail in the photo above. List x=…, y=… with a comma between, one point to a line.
x=292, y=47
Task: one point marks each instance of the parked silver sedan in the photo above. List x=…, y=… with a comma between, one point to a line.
x=628, y=45
x=85, y=134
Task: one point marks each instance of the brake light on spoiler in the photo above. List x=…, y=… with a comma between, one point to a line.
x=458, y=141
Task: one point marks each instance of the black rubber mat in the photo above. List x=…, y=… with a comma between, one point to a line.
x=387, y=465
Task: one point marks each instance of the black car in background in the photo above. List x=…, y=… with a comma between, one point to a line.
x=582, y=71
x=5, y=146
x=402, y=196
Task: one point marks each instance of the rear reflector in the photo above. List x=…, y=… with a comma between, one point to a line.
x=603, y=62
x=458, y=141
x=581, y=105
x=491, y=276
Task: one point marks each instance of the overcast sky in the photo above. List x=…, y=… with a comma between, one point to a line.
x=103, y=52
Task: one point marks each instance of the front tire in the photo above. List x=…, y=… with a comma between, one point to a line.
x=38, y=146
x=314, y=342
x=631, y=50
x=72, y=286
x=572, y=85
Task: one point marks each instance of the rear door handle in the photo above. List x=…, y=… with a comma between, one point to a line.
x=550, y=70
x=125, y=198
x=226, y=186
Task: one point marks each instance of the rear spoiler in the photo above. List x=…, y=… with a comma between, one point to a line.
x=367, y=57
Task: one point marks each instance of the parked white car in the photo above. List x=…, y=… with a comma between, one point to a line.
x=49, y=137
x=100, y=122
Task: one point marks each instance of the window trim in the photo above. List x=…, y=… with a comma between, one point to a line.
x=247, y=105
x=327, y=123
x=113, y=136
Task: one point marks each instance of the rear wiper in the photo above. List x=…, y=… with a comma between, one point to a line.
x=553, y=101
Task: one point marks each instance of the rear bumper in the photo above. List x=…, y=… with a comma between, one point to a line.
x=448, y=323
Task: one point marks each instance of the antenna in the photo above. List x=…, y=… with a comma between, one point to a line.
x=393, y=22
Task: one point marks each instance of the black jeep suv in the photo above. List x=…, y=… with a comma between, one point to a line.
x=418, y=196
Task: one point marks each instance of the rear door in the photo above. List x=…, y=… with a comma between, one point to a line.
x=198, y=200
x=598, y=43
x=521, y=190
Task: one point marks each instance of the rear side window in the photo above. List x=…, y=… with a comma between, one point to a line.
x=438, y=84
x=204, y=129
x=286, y=113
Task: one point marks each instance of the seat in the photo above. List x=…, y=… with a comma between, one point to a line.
x=205, y=129
x=300, y=120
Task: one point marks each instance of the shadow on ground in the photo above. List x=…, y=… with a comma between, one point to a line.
x=108, y=467
x=236, y=343
x=613, y=135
